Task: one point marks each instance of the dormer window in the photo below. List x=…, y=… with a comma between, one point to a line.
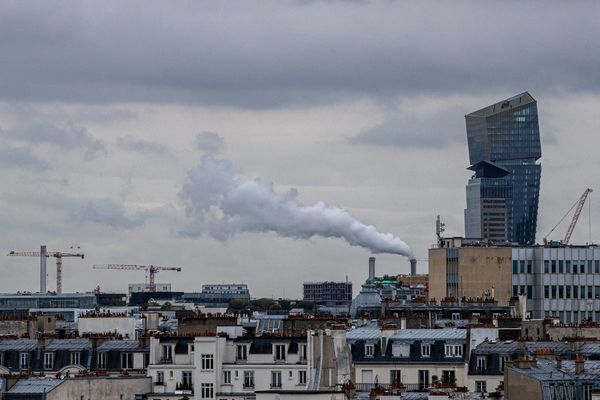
x=453, y=350
x=369, y=350
x=481, y=363
x=167, y=353
x=425, y=350
x=75, y=357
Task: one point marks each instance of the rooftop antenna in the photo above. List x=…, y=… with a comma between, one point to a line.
x=440, y=227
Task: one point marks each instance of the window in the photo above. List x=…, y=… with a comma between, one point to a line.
x=515, y=290
x=590, y=267
x=75, y=357
x=597, y=266
x=425, y=350
x=206, y=391
x=455, y=316
x=280, y=352
x=561, y=268
x=568, y=266
x=423, y=379
x=1, y=359
x=248, y=379
x=568, y=292
x=101, y=361
x=546, y=266
x=597, y=292
x=301, y=377
x=582, y=292
x=207, y=361
x=186, y=379
x=503, y=360
x=167, y=352
x=448, y=376
x=453, y=350
x=553, y=288
x=126, y=360
x=529, y=267
x=481, y=363
x=575, y=292
x=275, y=379
x=522, y=266
x=242, y=352
x=24, y=360
x=561, y=290
x=302, y=352
x=480, y=386
x=369, y=350
x=48, y=360
x=227, y=377
x=160, y=377
x=529, y=292
x=546, y=292
x=395, y=377
x=582, y=268
x=515, y=267
x=587, y=392
x=553, y=266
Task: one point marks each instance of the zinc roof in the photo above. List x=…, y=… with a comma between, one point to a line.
x=18, y=345
x=69, y=344
x=430, y=334
x=364, y=334
x=119, y=345
x=35, y=385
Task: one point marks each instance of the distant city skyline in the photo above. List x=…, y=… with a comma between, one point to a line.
x=359, y=105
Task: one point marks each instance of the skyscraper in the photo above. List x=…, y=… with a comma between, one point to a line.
x=503, y=193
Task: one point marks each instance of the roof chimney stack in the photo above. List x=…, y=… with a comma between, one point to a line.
x=579, y=364
x=413, y=266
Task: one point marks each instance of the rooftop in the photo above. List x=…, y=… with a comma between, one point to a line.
x=501, y=106
x=430, y=334
x=35, y=385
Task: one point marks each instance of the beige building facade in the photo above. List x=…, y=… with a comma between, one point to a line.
x=471, y=272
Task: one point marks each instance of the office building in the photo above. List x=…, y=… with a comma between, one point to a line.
x=552, y=280
x=330, y=293
x=502, y=195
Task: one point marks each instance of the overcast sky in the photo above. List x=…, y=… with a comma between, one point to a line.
x=106, y=107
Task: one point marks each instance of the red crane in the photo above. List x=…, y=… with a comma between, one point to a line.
x=56, y=254
x=151, y=269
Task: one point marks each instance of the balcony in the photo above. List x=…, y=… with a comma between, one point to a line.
x=166, y=360
x=402, y=387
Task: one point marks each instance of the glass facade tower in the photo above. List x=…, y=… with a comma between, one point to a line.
x=504, y=149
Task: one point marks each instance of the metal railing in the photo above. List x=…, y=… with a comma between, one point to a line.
x=405, y=387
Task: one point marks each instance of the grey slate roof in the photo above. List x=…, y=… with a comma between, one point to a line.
x=364, y=334
x=69, y=344
x=35, y=385
x=430, y=334
x=18, y=345
x=119, y=345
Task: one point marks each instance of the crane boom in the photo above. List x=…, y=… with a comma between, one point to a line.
x=580, y=205
x=56, y=254
x=151, y=269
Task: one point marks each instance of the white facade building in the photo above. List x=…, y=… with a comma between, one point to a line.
x=561, y=281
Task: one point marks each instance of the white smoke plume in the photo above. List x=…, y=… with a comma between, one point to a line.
x=221, y=205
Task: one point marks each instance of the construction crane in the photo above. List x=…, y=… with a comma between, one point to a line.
x=151, y=269
x=578, y=207
x=43, y=254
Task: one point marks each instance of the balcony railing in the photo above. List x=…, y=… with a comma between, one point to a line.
x=166, y=360
x=403, y=387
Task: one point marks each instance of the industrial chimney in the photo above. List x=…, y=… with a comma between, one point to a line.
x=413, y=266
x=371, y=269
x=43, y=269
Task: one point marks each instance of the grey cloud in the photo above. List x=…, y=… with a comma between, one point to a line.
x=209, y=142
x=21, y=158
x=107, y=212
x=130, y=143
x=68, y=135
x=433, y=131
x=267, y=55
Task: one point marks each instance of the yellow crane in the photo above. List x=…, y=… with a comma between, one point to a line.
x=578, y=207
x=43, y=254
